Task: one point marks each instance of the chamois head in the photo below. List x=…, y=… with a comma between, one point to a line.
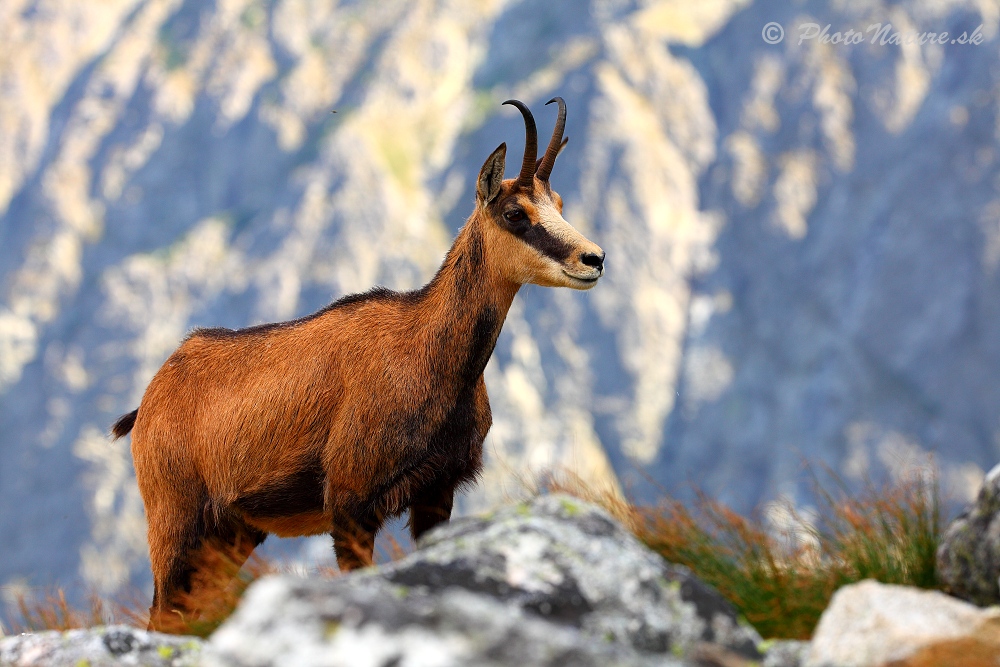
x=524, y=220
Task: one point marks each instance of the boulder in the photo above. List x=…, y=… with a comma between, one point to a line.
x=969, y=556
x=311, y=623
x=554, y=581
x=870, y=624
x=111, y=646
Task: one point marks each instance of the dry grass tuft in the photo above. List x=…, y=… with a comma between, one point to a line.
x=607, y=496
x=214, y=603
x=52, y=612
x=781, y=578
x=216, y=593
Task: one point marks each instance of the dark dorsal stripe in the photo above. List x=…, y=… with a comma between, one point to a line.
x=377, y=293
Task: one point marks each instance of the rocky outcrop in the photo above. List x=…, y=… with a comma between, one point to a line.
x=552, y=582
x=113, y=646
x=877, y=625
x=968, y=559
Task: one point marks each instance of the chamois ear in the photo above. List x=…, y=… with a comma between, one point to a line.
x=491, y=175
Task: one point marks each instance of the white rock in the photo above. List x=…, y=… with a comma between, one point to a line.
x=870, y=624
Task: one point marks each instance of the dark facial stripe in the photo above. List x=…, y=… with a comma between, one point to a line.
x=532, y=233
x=539, y=238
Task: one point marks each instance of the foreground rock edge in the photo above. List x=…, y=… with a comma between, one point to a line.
x=100, y=647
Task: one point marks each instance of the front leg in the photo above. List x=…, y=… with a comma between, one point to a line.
x=430, y=508
x=354, y=541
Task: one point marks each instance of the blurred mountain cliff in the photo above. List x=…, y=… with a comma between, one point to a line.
x=803, y=238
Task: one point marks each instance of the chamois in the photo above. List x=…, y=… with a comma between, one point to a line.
x=370, y=407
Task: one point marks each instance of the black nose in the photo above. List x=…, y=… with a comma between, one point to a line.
x=590, y=259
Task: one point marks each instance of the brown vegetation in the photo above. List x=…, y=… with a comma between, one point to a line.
x=781, y=578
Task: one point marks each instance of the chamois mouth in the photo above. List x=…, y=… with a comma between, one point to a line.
x=588, y=281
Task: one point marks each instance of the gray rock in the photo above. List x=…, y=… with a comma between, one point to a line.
x=969, y=556
x=552, y=582
x=287, y=620
x=784, y=653
x=110, y=646
x=571, y=563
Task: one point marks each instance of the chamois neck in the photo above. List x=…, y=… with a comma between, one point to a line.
x=467, y=302
x=470, y=272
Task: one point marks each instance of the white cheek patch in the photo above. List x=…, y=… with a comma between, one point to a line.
x=552, y=222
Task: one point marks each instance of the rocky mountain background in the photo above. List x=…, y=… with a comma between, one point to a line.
x=803, y=237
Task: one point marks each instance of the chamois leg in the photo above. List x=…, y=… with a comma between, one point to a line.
x=430, y=508
x=354, y=541
x=175, y=533
x=227, y=545
x=193, y=567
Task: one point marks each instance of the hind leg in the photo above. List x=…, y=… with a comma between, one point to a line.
x=175, y=533
x=227, y=545
x=194, y=559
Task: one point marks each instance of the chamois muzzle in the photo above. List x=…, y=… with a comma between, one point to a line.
x=594, y=260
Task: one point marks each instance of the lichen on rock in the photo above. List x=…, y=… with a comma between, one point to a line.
x=110, y=646
x=969, y=555
x=551, y=582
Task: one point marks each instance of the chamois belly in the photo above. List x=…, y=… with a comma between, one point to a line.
x=445, y=453
x=289, y=506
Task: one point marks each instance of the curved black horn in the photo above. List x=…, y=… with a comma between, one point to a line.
x=549, y=159
x=526, y=178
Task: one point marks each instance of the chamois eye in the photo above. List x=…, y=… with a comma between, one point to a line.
x=514, y=215
x=517, y=221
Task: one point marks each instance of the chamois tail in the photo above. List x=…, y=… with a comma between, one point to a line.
x=124, y=424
